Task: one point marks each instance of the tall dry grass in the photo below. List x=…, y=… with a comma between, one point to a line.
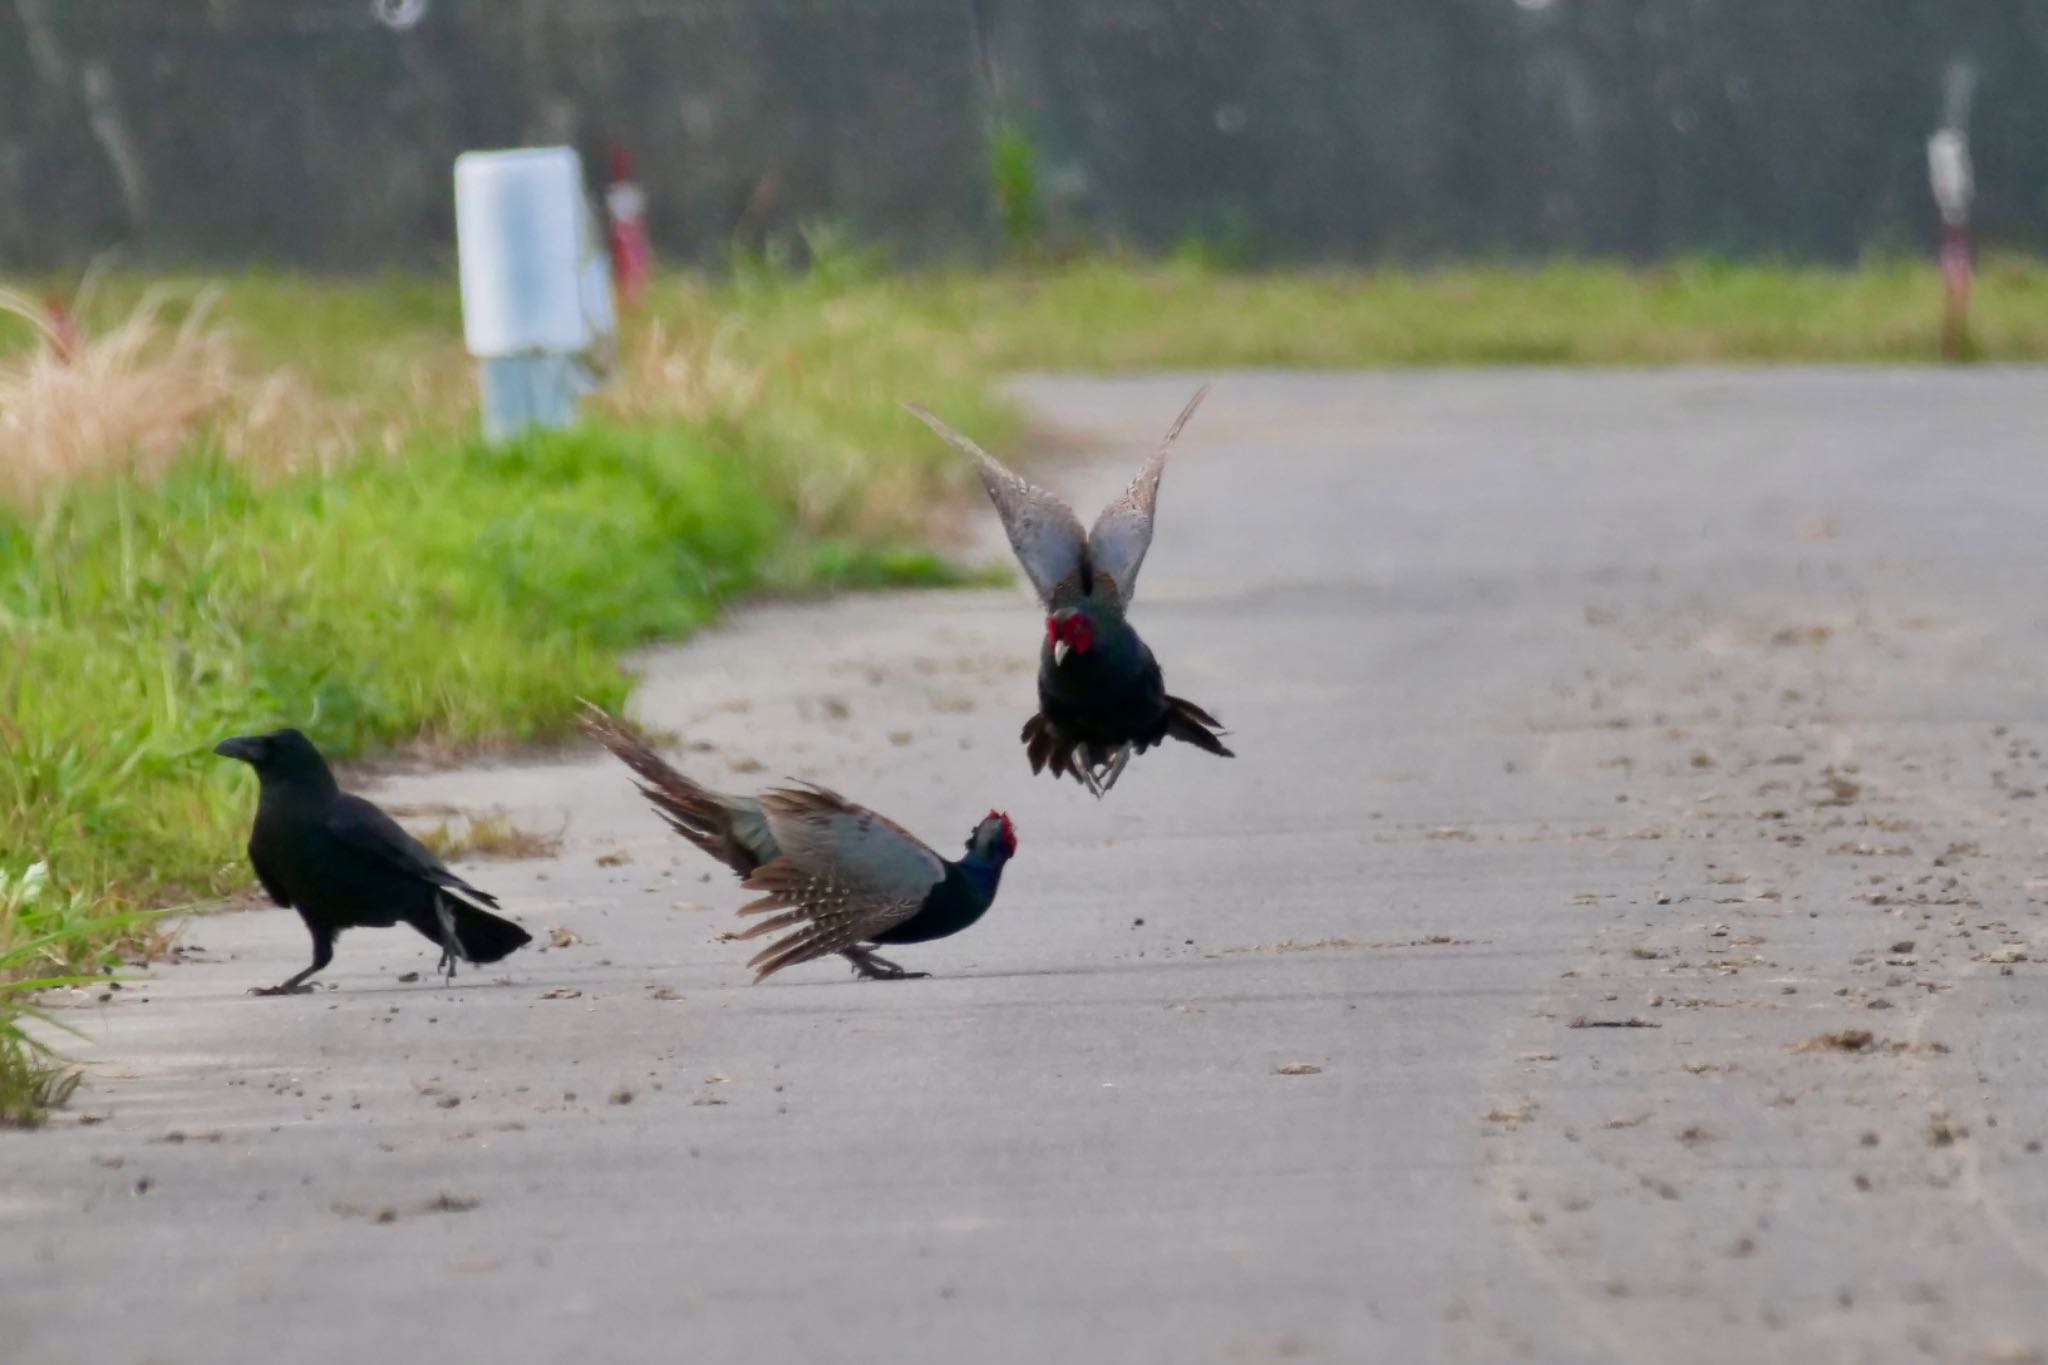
x=812, y=370
x=133, y=399
x=683, y=368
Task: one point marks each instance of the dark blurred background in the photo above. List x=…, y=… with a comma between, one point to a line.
x=311, y=132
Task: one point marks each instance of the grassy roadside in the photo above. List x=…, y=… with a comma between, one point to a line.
x=51, y=937
x=289, y=525
x=392, y=583
x=1103, y=316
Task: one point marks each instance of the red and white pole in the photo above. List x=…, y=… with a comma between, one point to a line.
x=626, y=206
x=1948, y=171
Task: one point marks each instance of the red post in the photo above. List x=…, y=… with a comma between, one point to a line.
x=1955, y=286
x=626, y=206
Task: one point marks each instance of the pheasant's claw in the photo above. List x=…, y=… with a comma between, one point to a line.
x=1100, y=775
x=871, y=966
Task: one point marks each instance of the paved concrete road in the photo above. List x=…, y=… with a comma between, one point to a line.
x=1617, y=941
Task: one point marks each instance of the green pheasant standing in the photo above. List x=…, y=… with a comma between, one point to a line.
x=837, y=876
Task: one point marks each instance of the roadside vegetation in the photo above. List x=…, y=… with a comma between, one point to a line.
x=231, y=505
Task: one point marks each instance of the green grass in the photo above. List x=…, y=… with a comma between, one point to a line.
x=48, y=939
x=1102, y=316
x=391, y=341
x=450, y=597
x=431, y=592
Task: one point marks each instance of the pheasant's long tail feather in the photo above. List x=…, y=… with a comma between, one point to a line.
x=1187, y=721
x=693, y=811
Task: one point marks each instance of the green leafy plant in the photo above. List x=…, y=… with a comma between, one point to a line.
x=1018, y=184
x=1228, y=244
x=46, y=937
x=820, y=257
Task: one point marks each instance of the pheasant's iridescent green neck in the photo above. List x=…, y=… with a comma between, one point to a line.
x=969, y=888
x=1082, y=629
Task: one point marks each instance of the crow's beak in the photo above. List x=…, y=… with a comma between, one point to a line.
x=1060, y=650
x=241, y=746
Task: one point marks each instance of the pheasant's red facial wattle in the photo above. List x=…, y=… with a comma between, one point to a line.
x=1069, y=634
x=1009, y=832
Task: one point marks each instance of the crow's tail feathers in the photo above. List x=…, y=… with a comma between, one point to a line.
x=484, y=936
x=1185, y=720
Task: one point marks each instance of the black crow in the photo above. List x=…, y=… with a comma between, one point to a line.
x=342, y=863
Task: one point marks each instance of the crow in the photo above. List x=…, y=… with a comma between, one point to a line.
x=342, y=863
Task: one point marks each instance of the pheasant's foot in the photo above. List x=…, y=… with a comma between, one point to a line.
x=1116, y=769
x=1099, y=776
x=870, y=966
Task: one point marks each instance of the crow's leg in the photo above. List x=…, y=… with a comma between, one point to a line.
x=872, y=966
x=451, y=944
x=323, y=953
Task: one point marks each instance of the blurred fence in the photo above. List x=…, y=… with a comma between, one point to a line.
x=313, y=132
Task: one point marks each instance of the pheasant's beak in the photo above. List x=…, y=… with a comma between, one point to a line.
x=1060, y=650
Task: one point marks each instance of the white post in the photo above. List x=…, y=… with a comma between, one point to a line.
x=1948, y=173
x=536, y=293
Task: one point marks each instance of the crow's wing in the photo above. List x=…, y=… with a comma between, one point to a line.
x=845, y=875
x=1043, y=531
x=368, y=830
x=271, y=885
x=1121, y=535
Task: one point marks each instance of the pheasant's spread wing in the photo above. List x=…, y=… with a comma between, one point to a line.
x=1043, y=531
x=845, y=875
x=1121, y=535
